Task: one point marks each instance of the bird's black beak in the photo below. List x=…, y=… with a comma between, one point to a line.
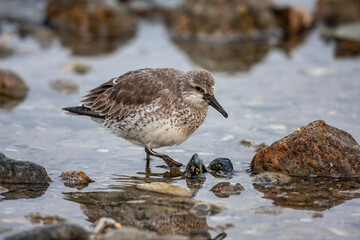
x=214, y=103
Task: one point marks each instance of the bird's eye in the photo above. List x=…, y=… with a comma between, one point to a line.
x=199, y=89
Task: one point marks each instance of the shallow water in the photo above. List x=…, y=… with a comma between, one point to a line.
x=271, y=98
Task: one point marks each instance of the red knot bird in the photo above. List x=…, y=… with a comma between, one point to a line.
x=152, y=107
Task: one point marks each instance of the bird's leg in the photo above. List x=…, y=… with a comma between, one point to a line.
x=168, y=160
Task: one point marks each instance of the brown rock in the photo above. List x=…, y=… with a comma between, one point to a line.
x=292, y=20
x=347, y=39
x=221, y=20
x=225, y=189
x=316, y=149
x=11, y=85
x=75, y=179
x=83, y=24
x=333, y=12
x=90, y=19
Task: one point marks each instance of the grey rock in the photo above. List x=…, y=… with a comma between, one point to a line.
x=61, y=231
x=12, y=171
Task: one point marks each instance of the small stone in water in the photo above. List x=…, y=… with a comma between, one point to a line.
x=36, y=218
x=195, y=167
x=165, y=188
x=225, y=189
x=66, y=86
x=222, y=166
x=104, y=225
x=77, y=67
x=75, y=179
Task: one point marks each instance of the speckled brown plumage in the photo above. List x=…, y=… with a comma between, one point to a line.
x=152, y=107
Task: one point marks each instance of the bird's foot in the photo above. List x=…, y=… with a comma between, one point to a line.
x=168, y=160
x=171, y=162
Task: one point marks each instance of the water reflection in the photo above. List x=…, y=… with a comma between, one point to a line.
x=152, y=211
x=313, y=194
x=8, y=103
x=93, y=47
x=232, y=57
x=16, y=191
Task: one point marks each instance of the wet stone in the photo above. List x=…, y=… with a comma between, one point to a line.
x=225, y=189
x=221, y=21
x=13, y=89
x=75, y=179
x=333, y=12
x=66, y=86
x=221, y=167
x=105, y=225
x=37, y=218
x=166, y=188
x=347, y=39
x=77, y=67
x=195, y=167
x=292, y=20
x=317, y=149
x=12, y=171
x=65, y=231
x=85, y=24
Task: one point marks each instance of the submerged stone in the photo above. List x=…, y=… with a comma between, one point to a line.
x=166, y=188
x=66, y=86
x=37, y=218
x=317, y=149
x=221, y=21
x=105, y=225
x=333, y=12
x=13, y=89
x=12, y=171
x=221, y=166
x=75, y=179
x=64, y=231
x=195, y=167
x=225, y=189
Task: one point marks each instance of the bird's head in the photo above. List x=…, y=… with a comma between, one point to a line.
x=198, y=90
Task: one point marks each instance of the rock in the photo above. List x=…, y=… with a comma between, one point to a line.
x=5, y=229
x=66, y=86
x=314, y=150
x=64, y=231
x=221, y=20
x=85, y=24
x=36, y=218
x=77, y=67
x=5, y=49
x=347, y=39
x=195, y=167
x=333, y=12
x=292, y=20
x=221, y=167
x=13, y=90
x=225, y=189
x=90, y=19
x=75, y=179
x=104, y=225
x=166, y=188
x=12, y=171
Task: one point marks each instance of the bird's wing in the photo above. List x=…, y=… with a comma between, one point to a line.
x=122, y=95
